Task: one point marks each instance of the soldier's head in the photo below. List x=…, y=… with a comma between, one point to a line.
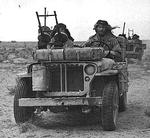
x=101, y=27
x=135, y=36
x=62, y=29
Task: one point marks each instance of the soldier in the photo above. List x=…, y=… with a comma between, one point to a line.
x=135, y=36
x=64, y=37
x=105, y=36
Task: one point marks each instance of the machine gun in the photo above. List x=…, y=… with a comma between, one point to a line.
x=44, y=36
x=45, y=16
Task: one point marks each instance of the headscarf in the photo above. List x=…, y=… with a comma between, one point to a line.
x=105, y=24
x=61, y=25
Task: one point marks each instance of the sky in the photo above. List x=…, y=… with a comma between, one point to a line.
x=18, y=20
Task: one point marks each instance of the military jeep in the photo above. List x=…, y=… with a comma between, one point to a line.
x=65, y=79
x=72, y=77
x=135, y=47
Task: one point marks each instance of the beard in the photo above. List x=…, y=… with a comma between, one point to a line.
x=101, y=33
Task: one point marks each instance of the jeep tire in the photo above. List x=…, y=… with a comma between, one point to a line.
x=110, y=106
x=23, y=89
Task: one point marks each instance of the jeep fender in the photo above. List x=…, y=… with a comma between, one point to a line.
x=24, y=75
x=99, y=81
x=107, y=73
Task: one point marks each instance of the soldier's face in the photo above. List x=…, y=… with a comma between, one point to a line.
x=100, y=29
x=62, y=29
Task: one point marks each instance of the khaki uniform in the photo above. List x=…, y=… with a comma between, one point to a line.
x=69, y=43
x=110, y=40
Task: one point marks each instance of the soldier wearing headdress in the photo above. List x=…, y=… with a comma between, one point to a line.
x=104, y=34
x=62, y=35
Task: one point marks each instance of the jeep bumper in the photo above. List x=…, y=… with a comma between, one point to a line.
x=71, y=101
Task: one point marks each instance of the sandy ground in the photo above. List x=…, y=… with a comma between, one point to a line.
x=133, y=123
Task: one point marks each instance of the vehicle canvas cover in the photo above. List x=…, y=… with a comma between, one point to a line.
x=70, y=54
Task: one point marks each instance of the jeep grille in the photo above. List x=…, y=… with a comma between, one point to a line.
x=65, y=77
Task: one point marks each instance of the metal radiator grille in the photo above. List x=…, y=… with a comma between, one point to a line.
x=65, y=77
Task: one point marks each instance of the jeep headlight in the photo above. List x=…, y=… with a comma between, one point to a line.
x=90, y=69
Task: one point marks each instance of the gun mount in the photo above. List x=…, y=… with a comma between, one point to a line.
x=56, y=37
x=44, y=32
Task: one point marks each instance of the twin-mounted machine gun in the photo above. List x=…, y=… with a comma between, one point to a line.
x=45, y=33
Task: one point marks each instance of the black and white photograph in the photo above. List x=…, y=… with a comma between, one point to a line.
x=74, y=68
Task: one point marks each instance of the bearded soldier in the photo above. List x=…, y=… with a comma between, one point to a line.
x=105, y=38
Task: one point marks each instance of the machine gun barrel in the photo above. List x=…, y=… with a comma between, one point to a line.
x=56, y=21
x=123, y=28
x=45, y=17
x=40, y=28
x=55, y=17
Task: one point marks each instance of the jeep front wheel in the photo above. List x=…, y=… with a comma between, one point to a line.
x=110, y=106
x=23, y=89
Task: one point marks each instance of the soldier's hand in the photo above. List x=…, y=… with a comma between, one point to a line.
x=112, y=52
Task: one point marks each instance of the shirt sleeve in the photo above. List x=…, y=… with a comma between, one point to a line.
x=69, y=43
x=87, y=43
x=115, y=45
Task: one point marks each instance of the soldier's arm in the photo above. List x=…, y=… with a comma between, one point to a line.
x=86, y=44
x=116, y=49
x=69, y=43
